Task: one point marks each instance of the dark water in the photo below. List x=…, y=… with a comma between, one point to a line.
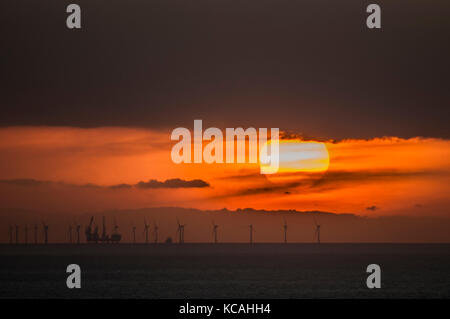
x=226, y=271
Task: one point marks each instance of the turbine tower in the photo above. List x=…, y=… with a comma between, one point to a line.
x=95, y=235
x=251, y=233
x=317, y=231
x=45, y=228
x=105, y=237
x=146, y=226
x=215, y=231
x=180, y=232
x=285, y=226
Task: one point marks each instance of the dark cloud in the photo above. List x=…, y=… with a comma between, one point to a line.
x=24, y=182
x=173, y=183
x=151, y=184
x=339, y=178
x=29, y=182
x=292, y=135
x=268, y=188
x=318, y=182
x=121, y=186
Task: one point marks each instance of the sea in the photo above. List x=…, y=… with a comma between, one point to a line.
x=161, y=271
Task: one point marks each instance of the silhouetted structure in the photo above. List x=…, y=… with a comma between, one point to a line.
x=317, y=231
x=115, y=236
x=91, y=236
x=95, y=235
x=146, y=226
x=105, y=237
x=134, y=234
x=45, y=233
x=180, y=232
x=285, y=226
x=214, y=232
x=251, y=233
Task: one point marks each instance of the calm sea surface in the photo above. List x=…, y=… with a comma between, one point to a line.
x=225, y=270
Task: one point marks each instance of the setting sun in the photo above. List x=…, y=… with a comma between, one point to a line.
x=299, y=156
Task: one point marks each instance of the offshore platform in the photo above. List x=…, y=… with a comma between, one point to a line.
x=92, y=235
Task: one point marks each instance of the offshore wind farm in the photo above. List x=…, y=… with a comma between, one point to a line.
x=180, y=253
x=186, y=225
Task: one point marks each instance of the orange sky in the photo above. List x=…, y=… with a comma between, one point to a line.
x=72, y=169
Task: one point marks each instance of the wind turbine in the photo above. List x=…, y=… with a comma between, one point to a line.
x=146, y=226
x=251, y=233
x=45, y=228
x=215, y=231
x=180, y=232
x=285, y=226
x=155, y=231
x=317, y=231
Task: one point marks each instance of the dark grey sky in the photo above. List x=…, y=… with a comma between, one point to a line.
x=310, y=66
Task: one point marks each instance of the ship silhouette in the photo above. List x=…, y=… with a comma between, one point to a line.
x=92, y=234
